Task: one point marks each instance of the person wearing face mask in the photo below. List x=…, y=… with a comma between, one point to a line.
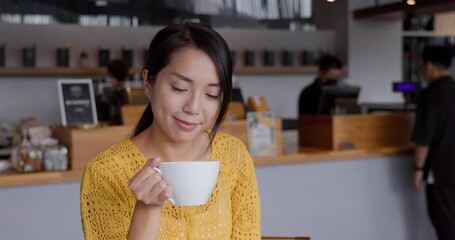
x=330, y=70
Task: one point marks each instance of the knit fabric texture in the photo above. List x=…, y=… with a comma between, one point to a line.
x=232, y=211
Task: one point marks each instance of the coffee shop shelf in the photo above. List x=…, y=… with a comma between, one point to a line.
x=276, y=70
x=24, y=179
x=305, y=155
x=82, y=71
x=50, y=71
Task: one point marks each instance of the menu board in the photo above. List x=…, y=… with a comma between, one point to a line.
x=77, y=102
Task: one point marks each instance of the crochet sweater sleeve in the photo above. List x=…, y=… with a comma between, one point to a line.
x=104, y=210
x=245, y=198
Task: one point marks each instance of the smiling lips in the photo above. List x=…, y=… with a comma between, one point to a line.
x=186, y=126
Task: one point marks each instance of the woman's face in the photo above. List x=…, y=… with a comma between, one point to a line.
x=185, y=96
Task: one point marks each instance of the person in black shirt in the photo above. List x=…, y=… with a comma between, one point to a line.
x=434, y=139
x=329, y=73
x=117, y=96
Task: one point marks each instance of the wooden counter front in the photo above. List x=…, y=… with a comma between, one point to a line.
x=356, y=131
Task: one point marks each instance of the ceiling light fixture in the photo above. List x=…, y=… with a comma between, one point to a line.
x=331, y=1
x=101, y=3
x=411, y=2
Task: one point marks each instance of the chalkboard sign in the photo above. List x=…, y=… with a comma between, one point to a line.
x=77, y=102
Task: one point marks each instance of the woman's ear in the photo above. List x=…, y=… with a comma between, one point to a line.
x=146, y=83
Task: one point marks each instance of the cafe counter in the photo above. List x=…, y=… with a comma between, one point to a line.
x=386, y=135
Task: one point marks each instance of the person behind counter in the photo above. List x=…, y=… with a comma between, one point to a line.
x=188, y=81
x=115, y=97
x=434, y=140
x=330, y=70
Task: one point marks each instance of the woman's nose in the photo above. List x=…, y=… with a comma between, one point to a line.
x=192, y=106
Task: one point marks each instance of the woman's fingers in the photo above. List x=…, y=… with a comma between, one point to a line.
x=138, y=180
x=157, y=189
x=148, y=186
x=145, y=181
x=145, y=172
x=166, y=194
x=153, y=162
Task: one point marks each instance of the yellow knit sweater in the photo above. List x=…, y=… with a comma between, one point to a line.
x=232, y=212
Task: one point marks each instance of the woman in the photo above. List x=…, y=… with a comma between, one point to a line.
x=187, y=79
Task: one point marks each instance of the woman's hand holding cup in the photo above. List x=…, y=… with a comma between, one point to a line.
x=148, y=186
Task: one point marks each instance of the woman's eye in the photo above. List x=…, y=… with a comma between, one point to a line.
x=212, y=96
x=178, y=89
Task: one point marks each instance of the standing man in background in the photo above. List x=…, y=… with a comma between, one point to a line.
x=434, y=139
x=330, y=70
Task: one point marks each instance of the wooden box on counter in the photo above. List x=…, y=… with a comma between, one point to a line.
x=356, y=131
x=84, y=144
x=238, y=128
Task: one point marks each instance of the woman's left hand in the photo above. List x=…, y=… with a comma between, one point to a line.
x=148, y=186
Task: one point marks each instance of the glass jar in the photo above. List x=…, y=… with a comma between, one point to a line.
x=55, y=158
x=29, y=158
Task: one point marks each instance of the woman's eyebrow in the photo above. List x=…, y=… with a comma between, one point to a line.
x=181, y=77
x=187, y=79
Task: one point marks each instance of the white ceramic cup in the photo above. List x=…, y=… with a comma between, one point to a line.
x=192, y=182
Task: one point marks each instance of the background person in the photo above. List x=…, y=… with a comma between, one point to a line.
x=330, y=70
x=188, y=80
x=434, y=139
x=116, y=96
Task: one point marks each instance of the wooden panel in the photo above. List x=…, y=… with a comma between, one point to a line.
x=316, y=131
x=371, y=131
x=83, y=145
x=360, y=131
x=132, y=113
x=136, y=96
x=236, y=111
x=236, y=128
x=239, y=130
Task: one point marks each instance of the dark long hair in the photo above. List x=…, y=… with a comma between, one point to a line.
x=175, y=37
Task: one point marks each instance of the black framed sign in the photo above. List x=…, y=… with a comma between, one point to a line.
x=77, y=102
